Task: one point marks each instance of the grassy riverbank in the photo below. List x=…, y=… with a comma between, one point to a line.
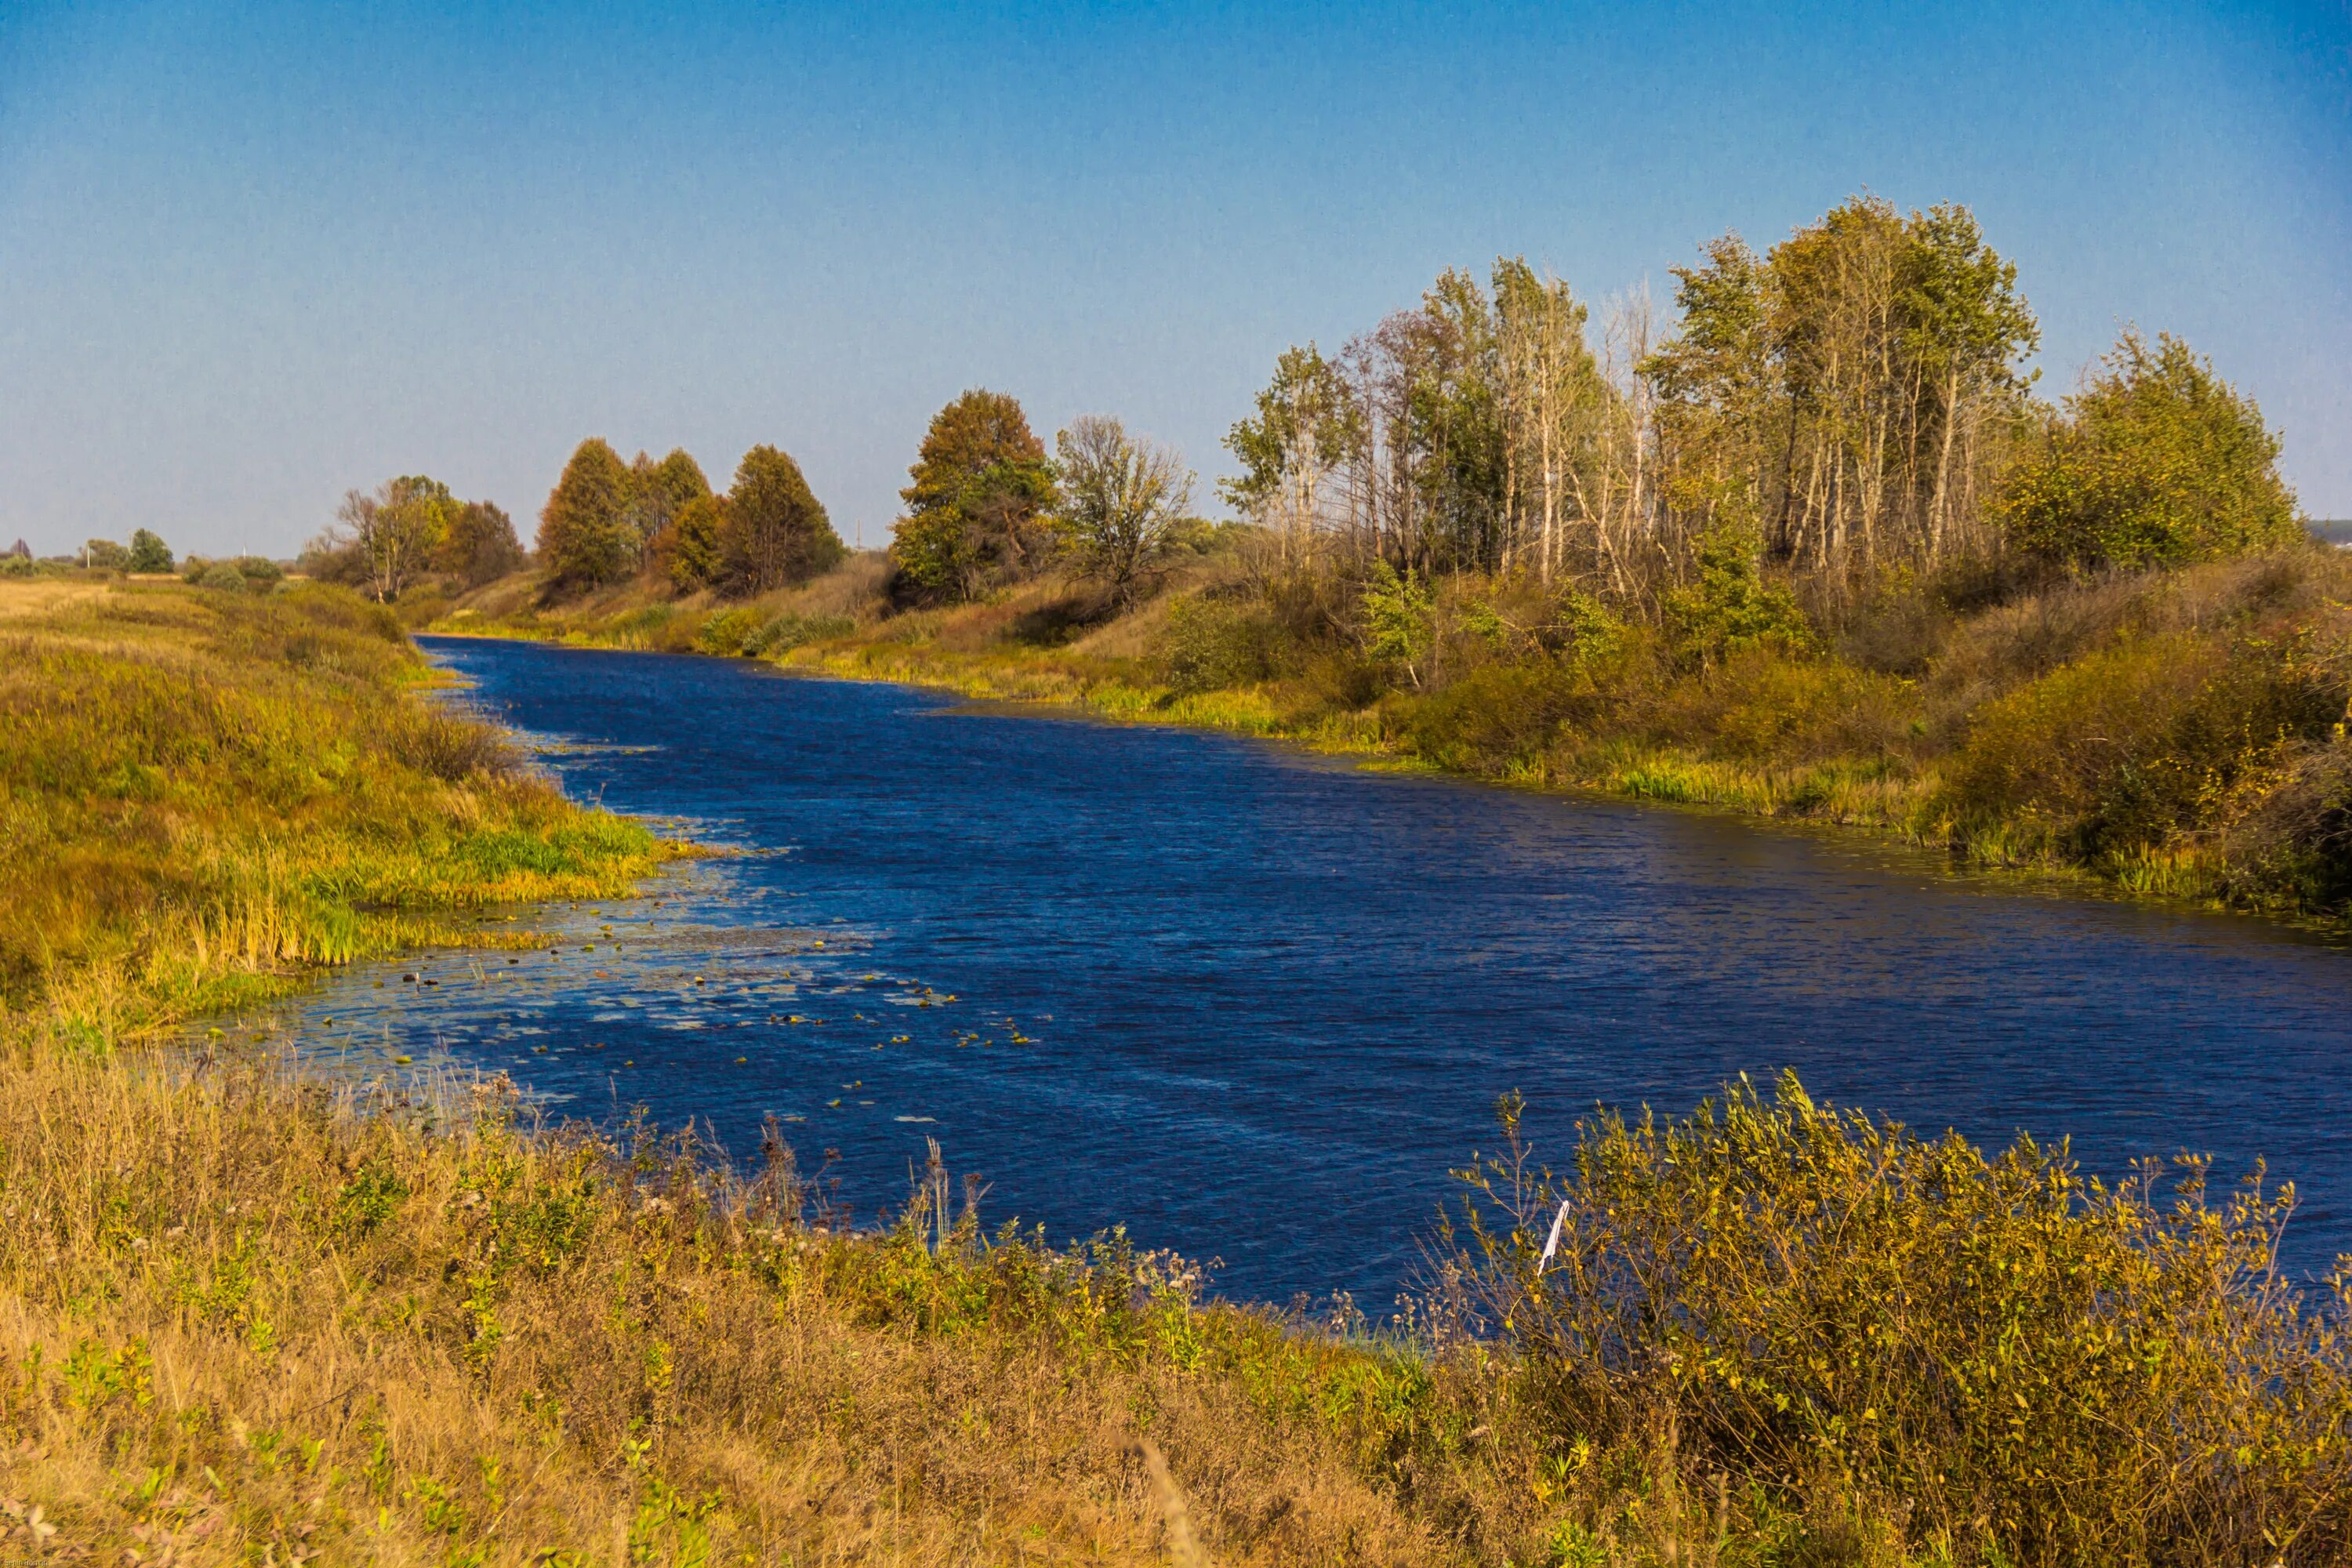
x=246, y=1321
x=2171, y=733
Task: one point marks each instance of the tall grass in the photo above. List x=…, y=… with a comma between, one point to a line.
x=202, y=796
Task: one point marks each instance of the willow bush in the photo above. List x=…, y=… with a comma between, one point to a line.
x=2006, y=1357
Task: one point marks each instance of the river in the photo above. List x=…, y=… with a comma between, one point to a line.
x=1254, y=1005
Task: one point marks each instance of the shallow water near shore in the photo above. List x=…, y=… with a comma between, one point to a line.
x=1254, y=1005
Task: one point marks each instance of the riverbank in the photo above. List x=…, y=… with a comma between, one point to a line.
x=2173, y=734
x=248, y=1319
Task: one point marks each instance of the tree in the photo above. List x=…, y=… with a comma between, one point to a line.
x=390, y=537
x=585, y=535
x=774, y=530
x=1121, y=497
x=479, y=545
x=148, y=552
x=1292, y=451
x=689, y=552
x=105, y=555
x=1851, y=391
x=2156, y=462
x=656, y=491
x=977, y=508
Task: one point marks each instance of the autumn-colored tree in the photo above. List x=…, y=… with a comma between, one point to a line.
x=689, y=551
x=978, y=507
x=656, y=491
x=773, y=531
x=383, y=541
x=585, y=535
x=480, y=544
x=2156, y=462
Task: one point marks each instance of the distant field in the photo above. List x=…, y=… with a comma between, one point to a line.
x=42, y=594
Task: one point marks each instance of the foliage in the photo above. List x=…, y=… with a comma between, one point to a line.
x=2130, y=746
x=773, y=531
x=977, y=507
x=1730, y=608
x=587, y=536
x=105, y=555
x=2157, y=462
x=2031, y=1364
x=1292, y=451
x=691, y=547
x=148, y=552
x=1121, y=501
x=1399, y=626
x=1214, y=645
x=479, y=545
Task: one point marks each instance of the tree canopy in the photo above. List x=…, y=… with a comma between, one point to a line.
x=772, y=531
x=2155, y=461
x=1122, y=500
x=586, y=535
x=981, y=494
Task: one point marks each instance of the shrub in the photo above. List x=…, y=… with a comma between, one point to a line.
x=1212, y=644
x=2157, y=462
x=2036, y=1365
x=221, y=574
x=1499, y=718
x=728, y=633
x=2130, y=746
x=1730, y=608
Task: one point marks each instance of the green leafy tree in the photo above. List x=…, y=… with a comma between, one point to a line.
x=1122, y=502
x=1399, y=619
x=1293, y=450
x=148, y=552
x=978, y=507
x=774, y=530
x=2156, y=462
x=689, y=552
x=586, y=537
x=1730, y=608
x=385, y=539
x=105, y=555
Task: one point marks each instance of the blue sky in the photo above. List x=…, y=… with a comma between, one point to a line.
x=253, y=255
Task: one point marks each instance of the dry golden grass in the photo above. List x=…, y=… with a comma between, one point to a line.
x=23, y=597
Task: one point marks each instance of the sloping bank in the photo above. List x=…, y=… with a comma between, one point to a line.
x=244, y=1322
x=2174, y=733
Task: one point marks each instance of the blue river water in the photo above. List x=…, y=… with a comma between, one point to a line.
x=1254, y=1004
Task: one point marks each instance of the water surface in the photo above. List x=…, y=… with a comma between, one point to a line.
x=1254, y=1005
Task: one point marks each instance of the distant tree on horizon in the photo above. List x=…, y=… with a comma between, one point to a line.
x=148, y=552
x=772, y=531
x=979, y=505
x=1122, y=499
x=586, y=536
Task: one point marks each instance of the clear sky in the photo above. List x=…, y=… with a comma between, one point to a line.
x=253, y=255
